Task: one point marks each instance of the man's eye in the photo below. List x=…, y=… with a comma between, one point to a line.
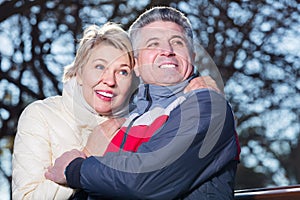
x=153, y=44
x=178, y=42
x=101, y=67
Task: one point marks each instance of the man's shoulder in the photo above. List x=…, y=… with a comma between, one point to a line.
x=204, y=95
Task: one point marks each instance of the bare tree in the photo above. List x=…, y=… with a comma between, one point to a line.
x=250, y=42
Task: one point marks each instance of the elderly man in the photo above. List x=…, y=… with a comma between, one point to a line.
x=174, y=145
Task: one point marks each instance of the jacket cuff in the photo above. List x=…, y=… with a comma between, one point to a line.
x=72, y=173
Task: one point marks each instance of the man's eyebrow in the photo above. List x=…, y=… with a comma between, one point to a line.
x=178, y=36
x=150, y=39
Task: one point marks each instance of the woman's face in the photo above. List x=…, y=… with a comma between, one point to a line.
x=106, y=79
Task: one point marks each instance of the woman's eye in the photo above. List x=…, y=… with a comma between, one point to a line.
x=101, y=67
x=124, y=72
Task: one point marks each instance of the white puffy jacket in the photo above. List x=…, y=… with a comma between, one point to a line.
x=46, y=129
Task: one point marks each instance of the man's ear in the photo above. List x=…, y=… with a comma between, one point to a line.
x=136, y=68
x=193, y=57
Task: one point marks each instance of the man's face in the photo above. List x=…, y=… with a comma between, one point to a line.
x=163, y=54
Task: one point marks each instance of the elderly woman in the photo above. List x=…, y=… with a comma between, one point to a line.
x=97, y=86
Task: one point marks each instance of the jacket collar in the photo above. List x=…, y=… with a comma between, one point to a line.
x=79, y=109
x=160, y=96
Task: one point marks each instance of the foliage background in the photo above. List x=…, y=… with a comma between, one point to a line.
x=255, y=45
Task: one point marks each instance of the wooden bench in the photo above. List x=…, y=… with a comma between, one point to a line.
x=274, y=193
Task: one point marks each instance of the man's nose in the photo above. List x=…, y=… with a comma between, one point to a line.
x=167, y=50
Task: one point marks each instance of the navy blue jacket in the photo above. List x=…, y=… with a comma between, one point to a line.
x=192, y=156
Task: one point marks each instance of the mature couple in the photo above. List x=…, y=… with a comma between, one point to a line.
x=175, y=144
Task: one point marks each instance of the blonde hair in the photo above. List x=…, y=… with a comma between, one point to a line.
x=109, y=34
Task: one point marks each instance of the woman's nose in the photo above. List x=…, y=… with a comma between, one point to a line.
x=108, y=78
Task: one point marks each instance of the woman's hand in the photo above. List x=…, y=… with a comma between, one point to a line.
x=101, y=137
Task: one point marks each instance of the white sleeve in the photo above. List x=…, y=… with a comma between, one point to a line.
x=31, y=156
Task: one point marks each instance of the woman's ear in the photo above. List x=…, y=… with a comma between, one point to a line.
x=136, y=68
x=78, y=78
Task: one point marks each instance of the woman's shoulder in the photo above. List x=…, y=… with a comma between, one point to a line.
x=52, y=103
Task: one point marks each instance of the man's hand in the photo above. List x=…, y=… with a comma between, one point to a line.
x=56, y=173
x=101, y=137
x=202, y=82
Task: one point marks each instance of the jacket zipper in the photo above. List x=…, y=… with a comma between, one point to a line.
x=149, y=99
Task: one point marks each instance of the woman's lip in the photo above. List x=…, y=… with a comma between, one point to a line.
x=105, y=95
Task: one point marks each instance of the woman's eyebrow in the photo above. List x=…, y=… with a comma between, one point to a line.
x=99, y=59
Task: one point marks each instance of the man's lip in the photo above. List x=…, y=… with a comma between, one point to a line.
x=167, y=65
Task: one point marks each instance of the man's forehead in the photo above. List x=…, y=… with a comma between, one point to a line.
x=154, y=29
x=160, y=32
x=163, y=26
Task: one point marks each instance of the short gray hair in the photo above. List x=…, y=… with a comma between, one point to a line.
x=161, y=13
